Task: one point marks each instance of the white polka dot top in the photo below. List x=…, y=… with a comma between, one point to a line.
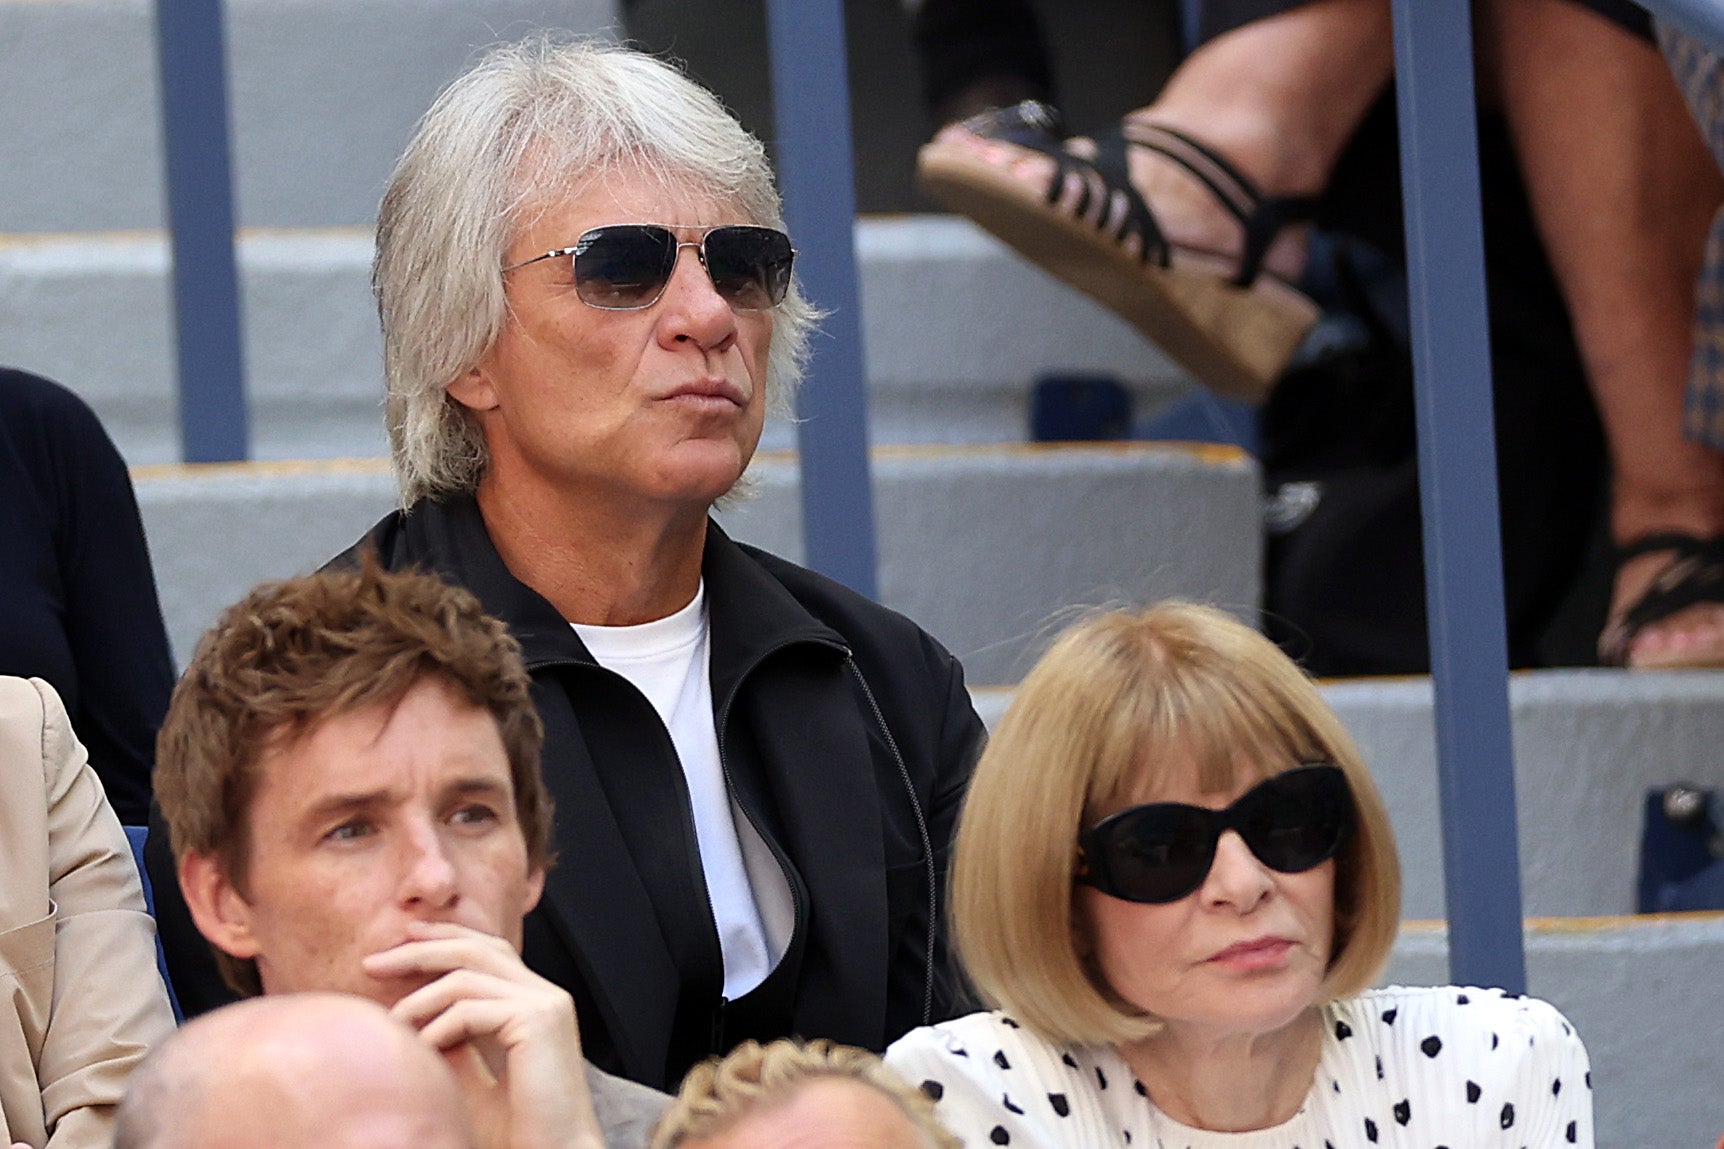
x=1410, y=1068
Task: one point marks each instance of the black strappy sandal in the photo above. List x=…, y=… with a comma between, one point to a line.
x=1694, y=576
x=1230, y=324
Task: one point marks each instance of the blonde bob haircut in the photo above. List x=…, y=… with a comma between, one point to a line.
x=528, y=126
x=1119, y=702
x=719, y=1093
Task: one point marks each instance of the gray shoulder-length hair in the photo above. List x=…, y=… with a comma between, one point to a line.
x=530, y=122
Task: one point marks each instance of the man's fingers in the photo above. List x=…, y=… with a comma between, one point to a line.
x=428, y=1001
x=440, y=955
x=434, y=929
x=469, y=1019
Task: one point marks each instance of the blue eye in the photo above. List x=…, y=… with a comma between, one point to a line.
x=348, y=831
x=476, y=814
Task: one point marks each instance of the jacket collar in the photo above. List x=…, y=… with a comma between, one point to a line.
x=753, y=614
x=450, y=536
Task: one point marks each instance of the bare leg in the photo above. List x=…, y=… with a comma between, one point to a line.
x=1624, y=192
x=1279, y=97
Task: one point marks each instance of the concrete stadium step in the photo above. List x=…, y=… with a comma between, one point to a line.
x=324, y=94
x=955, y=327
x=1588, y=744
x=94, y=312
x=979, y=545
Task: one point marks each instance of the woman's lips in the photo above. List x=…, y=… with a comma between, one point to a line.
x=1256, y=954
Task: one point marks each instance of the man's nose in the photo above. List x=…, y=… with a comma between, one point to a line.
x=428, y=877
x=693, y=308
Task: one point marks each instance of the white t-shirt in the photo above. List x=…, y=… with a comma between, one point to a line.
x=1401, y=1068
x=668, y=661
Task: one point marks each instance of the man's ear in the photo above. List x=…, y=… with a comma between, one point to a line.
x=473, y=390
x=535, y=889
x=221, y=914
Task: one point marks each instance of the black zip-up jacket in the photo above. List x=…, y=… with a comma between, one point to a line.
x=846, y=736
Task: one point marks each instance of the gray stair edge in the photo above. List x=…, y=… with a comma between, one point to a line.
x=323, y=95
x=1122, y=523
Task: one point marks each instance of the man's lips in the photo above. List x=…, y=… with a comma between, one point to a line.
x=710, y=389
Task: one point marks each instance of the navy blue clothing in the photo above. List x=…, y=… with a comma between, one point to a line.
x=77, y=597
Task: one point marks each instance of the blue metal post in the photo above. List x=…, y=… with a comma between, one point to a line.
x=1458, y=490
x=191, y=50
x=811, y=93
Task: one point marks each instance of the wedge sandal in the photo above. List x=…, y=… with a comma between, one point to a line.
x=1228, y=322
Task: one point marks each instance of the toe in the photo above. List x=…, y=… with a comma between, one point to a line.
x=1689, y=638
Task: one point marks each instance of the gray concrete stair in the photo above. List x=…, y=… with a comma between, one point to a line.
x=955, y=327
x=324, y=94
x=980, y=545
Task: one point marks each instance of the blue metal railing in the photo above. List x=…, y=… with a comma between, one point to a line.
x=809, y=77
x=1458, y=490
x=191, y=49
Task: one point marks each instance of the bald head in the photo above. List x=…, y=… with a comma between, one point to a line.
x=297, y=1070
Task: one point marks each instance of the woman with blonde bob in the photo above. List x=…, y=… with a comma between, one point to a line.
x=1174, y=881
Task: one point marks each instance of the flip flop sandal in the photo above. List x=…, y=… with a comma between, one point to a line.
x=1232, y=326
x=1695, y=575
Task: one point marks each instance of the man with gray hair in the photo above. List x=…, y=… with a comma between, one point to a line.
x=588, y=305
x=300, y=1071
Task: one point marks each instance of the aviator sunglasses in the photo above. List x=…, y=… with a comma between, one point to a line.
x=1162, y=851
x=626, y=266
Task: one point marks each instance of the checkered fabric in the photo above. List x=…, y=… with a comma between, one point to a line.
x=1700, y=73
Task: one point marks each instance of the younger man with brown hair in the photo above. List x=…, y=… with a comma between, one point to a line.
x=349, y=770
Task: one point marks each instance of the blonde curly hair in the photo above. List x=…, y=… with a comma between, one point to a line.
x=719, y=1092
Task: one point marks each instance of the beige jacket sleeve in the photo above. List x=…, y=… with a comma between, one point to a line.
x=81, y=1001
